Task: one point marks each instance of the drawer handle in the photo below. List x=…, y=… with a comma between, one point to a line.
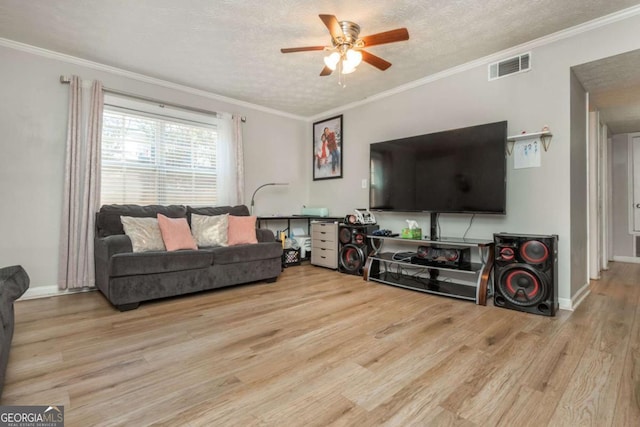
x=322, y=240
x=323, y=257
x=323, y=249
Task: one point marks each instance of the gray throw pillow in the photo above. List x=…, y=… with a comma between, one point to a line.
x=144, y=233
x=210, y=230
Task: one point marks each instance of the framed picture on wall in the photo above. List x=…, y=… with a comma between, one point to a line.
x=328, y=148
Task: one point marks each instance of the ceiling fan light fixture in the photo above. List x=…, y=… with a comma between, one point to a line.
x=347, y=68
x=347, y=47
x=353, y=58
x=332, y=60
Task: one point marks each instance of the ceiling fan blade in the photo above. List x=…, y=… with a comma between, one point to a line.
x=326, y=71
x=333, y=25
x=376, y=61
x=392, y=36
x=301, y=49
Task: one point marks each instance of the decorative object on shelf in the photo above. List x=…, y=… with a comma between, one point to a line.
x=412, y=231
x=328, y=148
x=321, y=212
x=363, y=216
x=544, y=136
x=262, y=186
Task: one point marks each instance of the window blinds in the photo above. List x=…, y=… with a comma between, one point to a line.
x=153, y=159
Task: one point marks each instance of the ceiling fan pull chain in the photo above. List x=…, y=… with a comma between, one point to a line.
x=341, y=76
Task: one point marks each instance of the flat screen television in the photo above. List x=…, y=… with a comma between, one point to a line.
x=461, y=170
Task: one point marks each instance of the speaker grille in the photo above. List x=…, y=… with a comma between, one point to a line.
x=352, y=259
x=534, y=252
x=522, y=285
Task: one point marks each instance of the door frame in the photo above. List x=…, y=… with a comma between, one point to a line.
x=630, y=187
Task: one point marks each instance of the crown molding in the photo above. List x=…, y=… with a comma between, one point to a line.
x=139, y=77
x=512, y=51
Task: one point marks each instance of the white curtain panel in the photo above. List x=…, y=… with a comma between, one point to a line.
x=81, y=186
x=237, y=137
x=230, y=164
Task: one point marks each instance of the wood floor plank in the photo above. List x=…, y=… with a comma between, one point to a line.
x=584, y=402
x=323, y=348
x=627, y=407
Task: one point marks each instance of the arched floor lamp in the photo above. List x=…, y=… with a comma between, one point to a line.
x=262, y=186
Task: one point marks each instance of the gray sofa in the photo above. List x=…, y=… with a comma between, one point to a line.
x=127, y=278
x=14, y=281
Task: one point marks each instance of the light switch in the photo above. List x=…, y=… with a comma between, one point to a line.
x=364, y=183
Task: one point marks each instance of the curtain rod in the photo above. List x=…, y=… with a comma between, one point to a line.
x=67, y=80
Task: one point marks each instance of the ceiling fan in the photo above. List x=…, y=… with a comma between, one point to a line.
x=347, y=48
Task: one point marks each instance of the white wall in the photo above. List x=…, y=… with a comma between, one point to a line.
x=622, y=240
x=33, y=115
x=538, y=200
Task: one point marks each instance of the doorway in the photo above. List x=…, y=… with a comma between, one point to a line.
x=613, y=87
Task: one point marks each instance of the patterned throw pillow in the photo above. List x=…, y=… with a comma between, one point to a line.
x=144, y=233
x=209, y=230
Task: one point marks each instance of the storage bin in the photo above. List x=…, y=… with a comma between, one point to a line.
x=291, y=257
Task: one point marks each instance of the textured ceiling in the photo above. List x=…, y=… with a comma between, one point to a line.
x=614, y=89
x=231, y=47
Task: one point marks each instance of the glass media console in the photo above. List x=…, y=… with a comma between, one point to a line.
x=443, y=267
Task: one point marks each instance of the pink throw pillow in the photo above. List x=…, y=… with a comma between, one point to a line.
x=242, y=229
x=176, y=233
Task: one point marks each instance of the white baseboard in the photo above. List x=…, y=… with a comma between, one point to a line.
x=580, y=296
x=41, y=292
x=631, y=259
x=565, y=304
x=572, y=303
x=49, y=291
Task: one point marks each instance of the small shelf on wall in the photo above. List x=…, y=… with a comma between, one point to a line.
x=544, y=136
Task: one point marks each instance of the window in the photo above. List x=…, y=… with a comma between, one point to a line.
x=157, y=155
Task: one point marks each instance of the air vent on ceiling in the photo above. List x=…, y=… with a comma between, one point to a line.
x=506, y=67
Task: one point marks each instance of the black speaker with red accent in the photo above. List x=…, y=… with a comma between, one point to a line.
x=526, y=273
x=353, y=247
x=442, y=257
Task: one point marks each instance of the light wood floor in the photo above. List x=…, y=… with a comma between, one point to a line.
x=322, y=348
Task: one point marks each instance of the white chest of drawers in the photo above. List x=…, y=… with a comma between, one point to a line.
x=324, y=244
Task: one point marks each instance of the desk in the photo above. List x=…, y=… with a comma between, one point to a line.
x=307, y=218
x=290, y=218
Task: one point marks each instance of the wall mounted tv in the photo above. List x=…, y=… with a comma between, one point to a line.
x=460, y=170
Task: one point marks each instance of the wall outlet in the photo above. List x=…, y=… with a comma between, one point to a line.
x=364, y=183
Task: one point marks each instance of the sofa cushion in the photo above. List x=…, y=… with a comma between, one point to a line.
x=108, y=217
x=240, y=210
x=245, y=253
x=127, y=264
x=176, y=234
